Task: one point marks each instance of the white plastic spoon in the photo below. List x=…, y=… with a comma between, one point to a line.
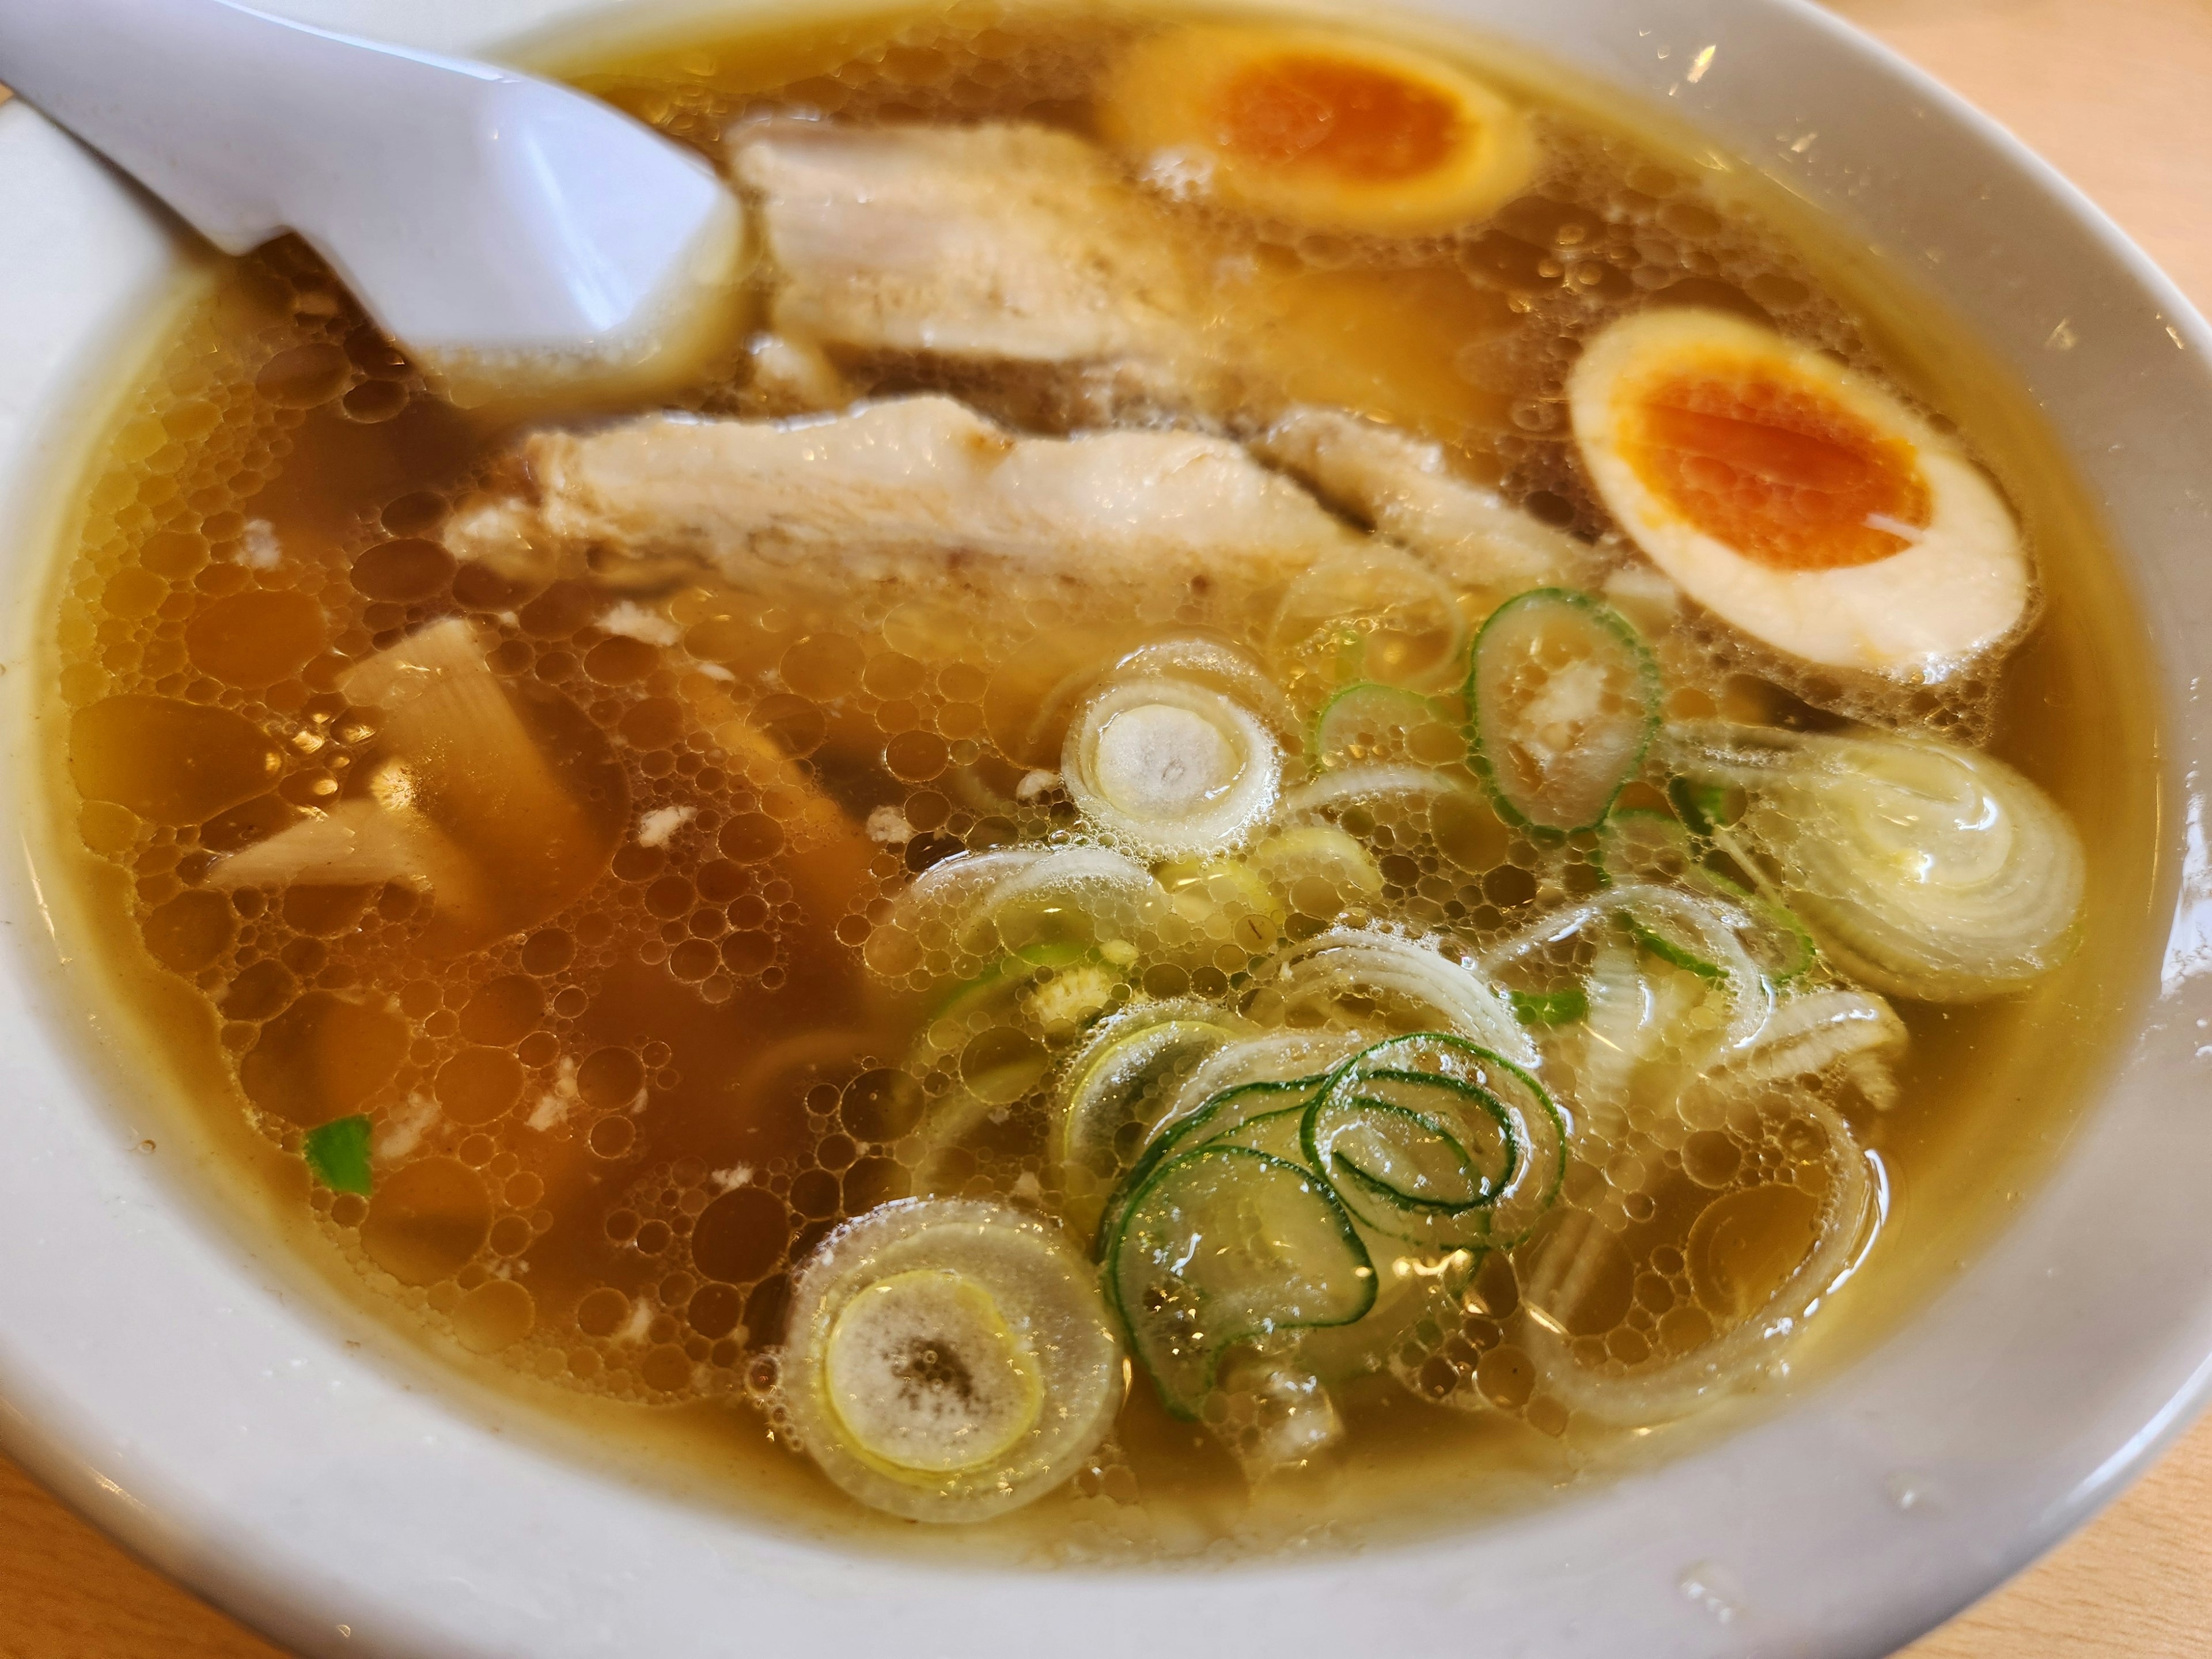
x=511, y=234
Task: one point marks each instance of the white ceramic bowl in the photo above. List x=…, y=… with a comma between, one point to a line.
x=180, y=1390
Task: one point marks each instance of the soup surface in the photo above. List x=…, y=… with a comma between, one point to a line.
x=1315, y=792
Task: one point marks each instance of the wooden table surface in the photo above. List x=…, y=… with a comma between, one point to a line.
x=2119, y=94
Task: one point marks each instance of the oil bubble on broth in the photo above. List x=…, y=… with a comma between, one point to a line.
x=1404, y=952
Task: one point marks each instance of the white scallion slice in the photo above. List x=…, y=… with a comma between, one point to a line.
x=1092, y=895
x=1219, y=902
x=925, y=1377
x=1170, y=768
x=1617, y=1035
x=1352, y=973
x=1320, y=854
x=1924, y=869
x=1114, y=1087
x=1751, y=1339
x=1379, y=614
x=1853, y=1031
x=1702, y=936
x=1214, y=663
x=1564, y=698
x=948, y=1360
x=1355, y=786
x=934, y=917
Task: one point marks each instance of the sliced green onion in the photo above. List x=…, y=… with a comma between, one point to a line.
x=1550, y=1008
x=1220, y=1117
x=1275, y=1132
x=1779, y=942
x=1224, y=1245
x=1854, y=1030
x=991, y=992
x=1700, y=934
x=1318, y=868
x=1216, y=902
x=1670, y=951
x=1113, y=1089
x=1282, y=1069
x=1352, y=785
x=337, y=1154
x=948, y=1360
x=1565, y=698
x=1379, y=614
x=939, y=907
x=1170, y=768
x=1089, y=895
x=1409, y=1160
x=1489, y=1107
x=1275, y=1059
x=1705, y=807
x=1924, y=869
x=1034, y=999
x=1409, y=1172
x=1638, y=846
x=1427, y=1138
x=1365, y=723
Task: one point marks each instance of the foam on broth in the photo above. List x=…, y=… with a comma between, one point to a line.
x=610, y=1120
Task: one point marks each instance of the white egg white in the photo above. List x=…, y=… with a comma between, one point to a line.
x=1961, y=585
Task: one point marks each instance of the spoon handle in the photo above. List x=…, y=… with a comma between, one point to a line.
x=474, y=210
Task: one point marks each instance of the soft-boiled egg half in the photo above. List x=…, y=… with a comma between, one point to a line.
x=1793, y=497
x=1316, y=128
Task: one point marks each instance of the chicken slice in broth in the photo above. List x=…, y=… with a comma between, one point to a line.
x=1007, y=243
x=1405, y=489
x=919, y=493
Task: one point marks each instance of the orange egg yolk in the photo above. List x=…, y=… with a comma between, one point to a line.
x=1775, y=468
x=1311, y=111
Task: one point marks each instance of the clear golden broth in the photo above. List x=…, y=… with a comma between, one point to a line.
x=704, y=1007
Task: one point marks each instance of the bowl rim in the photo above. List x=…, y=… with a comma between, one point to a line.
x=1913, y=1502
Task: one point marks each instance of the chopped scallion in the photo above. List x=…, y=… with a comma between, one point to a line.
x=1550, y=1007
x=338, y=1155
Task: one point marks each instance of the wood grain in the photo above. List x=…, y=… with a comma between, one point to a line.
x=67, y=1593
x=2135, y=1583
x=2117, y=94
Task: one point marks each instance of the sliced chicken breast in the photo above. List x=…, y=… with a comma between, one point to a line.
x=920, y=492
x=1004, y=243
x=1468, y=534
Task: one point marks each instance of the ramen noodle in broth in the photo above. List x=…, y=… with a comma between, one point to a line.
x=1308, y=762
